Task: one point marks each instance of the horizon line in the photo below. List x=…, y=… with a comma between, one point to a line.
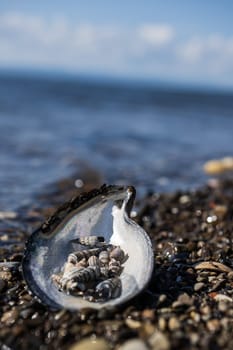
x=101, y=78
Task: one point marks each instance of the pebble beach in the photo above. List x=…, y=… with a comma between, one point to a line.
x=187, y=304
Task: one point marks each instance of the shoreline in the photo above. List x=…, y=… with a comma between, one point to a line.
x=187, y=304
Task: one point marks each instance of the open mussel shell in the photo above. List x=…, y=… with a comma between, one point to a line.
x=103, y=212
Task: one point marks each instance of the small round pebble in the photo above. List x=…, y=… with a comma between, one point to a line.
x=90, y=344
x=173, y=324
x=133, y=344
x=198, y=286
x=159, y=341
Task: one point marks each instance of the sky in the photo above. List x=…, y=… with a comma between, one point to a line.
x=184, y=41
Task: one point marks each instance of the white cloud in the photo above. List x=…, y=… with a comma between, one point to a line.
x=155, y=34
x=150, y=50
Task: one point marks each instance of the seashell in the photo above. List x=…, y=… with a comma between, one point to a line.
x=67, y=267
x=72, y=258
x=104, y=257
x=93, y=261
x=56, y=279
x=115, y=266
x=85, y=274
x=81, y=263
x=90, y=240
x=110, y=288
x=69, y=275
x=86, y=254
x=118, y=254
x=100, y=212
x=104, y=271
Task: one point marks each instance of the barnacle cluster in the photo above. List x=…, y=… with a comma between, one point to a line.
x=92, y=271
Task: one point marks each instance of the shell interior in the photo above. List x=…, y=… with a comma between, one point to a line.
x=106, y=214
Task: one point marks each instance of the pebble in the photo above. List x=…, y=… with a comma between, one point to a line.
x=222, y=306
x=159, y=341
x=223, y=297
x=9, y=317
x=205, y=310
x=148, y=314
x=90, y=344
x=133, y=324
x=184, y=199
x=230, y=275
x=147, y=329
x=173, y=324
x=213, y=325
x=133, y=344
x=194, y=337
x=162, y=323
x=8, y=215
x=183, y=300
x=218, y=166
x=162, y=299
x=195, y=316
x=6, y=275
x=198, y=286
x=212, y=265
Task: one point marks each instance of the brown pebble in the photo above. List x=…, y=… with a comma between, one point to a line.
x=212, y=265
x=198, y=286
x=90, y=344
x=162, y=299
x=223, y=297
x=230, y=275
x=133, y=344
x=148, y=314
x=159, y=341
x=173, y=323
x=133, y=324
x=195, y=316
x=146, y=330
x=9, y=317
x=194, y=337
x=222, y=306
x=6, y=275
x=162, y=323
x=213, y=325
x=183, y=300
x=205, y=310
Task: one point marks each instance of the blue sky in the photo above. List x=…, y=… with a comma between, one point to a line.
x=183, y=41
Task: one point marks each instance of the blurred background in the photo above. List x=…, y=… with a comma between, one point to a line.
x=140, y=91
